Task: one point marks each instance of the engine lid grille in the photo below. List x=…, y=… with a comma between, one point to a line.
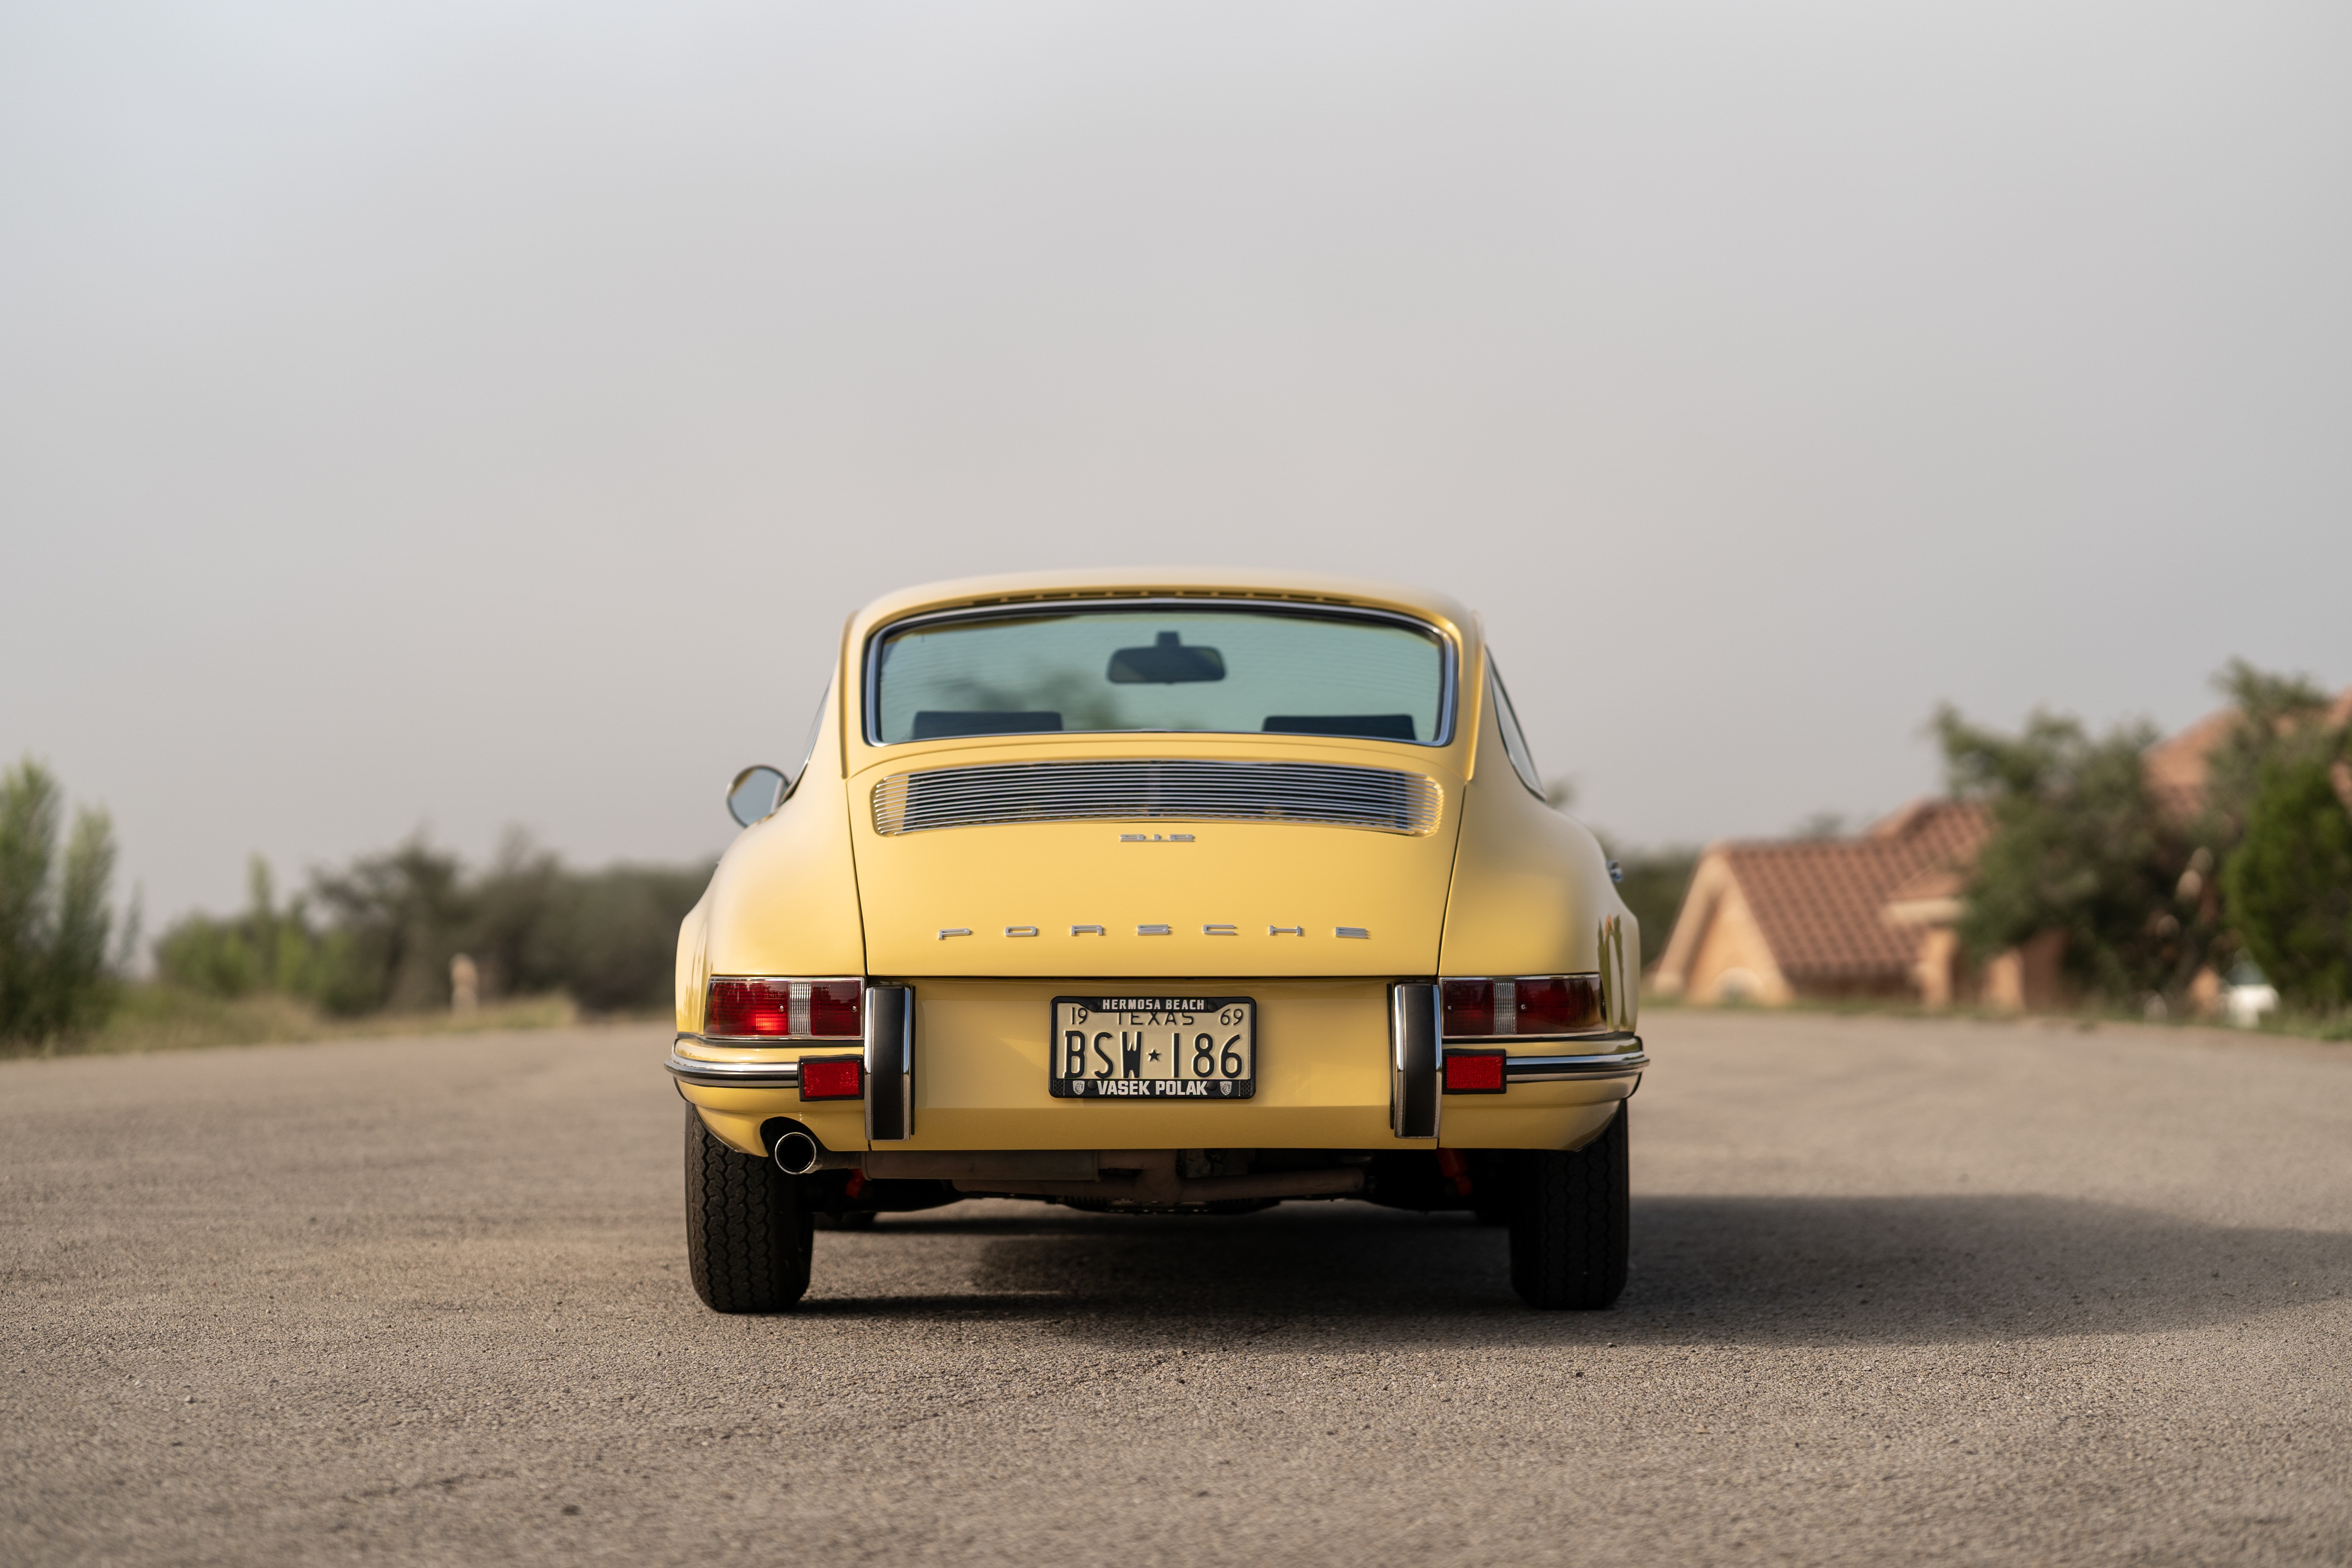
x=1328, y=794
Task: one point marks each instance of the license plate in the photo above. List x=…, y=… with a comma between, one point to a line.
x=1154, y=1047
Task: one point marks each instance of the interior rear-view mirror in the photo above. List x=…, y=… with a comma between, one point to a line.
x=1166, y=662
x=756, y=793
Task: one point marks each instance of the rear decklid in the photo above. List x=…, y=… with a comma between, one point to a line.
x=1155, y=856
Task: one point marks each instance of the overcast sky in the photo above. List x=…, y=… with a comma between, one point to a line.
x=478, y=413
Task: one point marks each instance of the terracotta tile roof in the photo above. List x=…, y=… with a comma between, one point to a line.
x=1818, y=901
x=2179, y=766
x=1936, y=881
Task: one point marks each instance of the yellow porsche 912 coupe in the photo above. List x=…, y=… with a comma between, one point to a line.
x=1152, y=892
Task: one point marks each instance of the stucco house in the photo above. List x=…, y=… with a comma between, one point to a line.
x=1771, y=922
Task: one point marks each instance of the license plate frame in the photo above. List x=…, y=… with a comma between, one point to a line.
x=1117, y=1043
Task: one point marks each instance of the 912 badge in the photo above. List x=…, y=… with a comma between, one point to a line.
x=1153, y=1047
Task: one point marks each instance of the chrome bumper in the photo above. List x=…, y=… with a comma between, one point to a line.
x=1559, y=1069
x=733, y=1075
x=1516, y=1069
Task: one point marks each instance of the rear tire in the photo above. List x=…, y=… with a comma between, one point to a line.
x=1569, y=1222
x=747, y=1237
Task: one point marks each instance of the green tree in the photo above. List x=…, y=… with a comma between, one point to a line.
x=2280, y=719
x=2079, y=846
x=56, y=975
x=400, y=915
x=607, y=938
x=611, y=940
x=265, y=949
x=392, y=922
x=2289, y=885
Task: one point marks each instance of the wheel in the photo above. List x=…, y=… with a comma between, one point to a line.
x=1568, y=1225
x=747, y=1237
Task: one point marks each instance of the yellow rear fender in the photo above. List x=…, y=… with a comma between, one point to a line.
x=1531, y=892
x=783, y=899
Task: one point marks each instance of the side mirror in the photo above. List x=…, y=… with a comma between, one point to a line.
x=756, y=793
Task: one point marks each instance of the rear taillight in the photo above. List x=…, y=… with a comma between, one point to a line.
x=1467, y=1009
x=769, y=1007
x=1559, y=1004
x=836, y=1008
x=1502, y=1008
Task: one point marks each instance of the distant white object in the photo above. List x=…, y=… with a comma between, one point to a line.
x=2249, y=994
x=1736, y=987
x=465, y=984
x=2245, y=1005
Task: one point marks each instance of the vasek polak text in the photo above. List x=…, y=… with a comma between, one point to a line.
x=1153, y=1088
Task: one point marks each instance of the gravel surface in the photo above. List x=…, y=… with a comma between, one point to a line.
x=1901, y=1291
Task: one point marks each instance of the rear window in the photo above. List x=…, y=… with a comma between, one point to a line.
x=1189, y=667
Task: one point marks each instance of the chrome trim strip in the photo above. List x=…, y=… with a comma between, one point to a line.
x=870, y=659
x=771, y=1042
x=889, y=1062
x=1558, y=1069
x=1416, y=1061
x=733, y=1075
x=1155, y=789
x=1586, y=1038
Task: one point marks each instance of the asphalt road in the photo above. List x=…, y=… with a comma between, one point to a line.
x=1901, y=1293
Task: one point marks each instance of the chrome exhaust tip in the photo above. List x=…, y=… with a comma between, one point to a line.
x=797, y=1153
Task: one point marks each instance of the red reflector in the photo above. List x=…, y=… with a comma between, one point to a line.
x=831, y=1078
x=1468, y=1007
x=834, y=1008
x=1469, y=1072
x=748, y=1007
x=1559, y=1003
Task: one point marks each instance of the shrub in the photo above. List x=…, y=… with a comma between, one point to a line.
x=2289, y=885
x=56, y=977
x=264, y=950
x=379, y=933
